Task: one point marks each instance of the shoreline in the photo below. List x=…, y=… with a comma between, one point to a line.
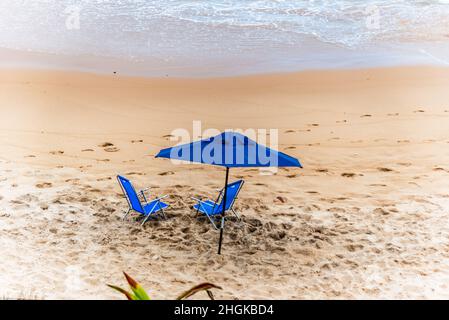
x=23, y=70
x=287, y=60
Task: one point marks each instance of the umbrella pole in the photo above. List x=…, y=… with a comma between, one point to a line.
x=224, y=210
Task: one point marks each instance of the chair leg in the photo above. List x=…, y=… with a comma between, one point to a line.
x=126, y=214
x=162, y=211
x=145, y=220
x=163, y=214
x=197, y=211
x=212, y=221
x=236, y=214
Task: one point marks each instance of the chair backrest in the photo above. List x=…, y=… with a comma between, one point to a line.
x=130, y=194
x=232, y=192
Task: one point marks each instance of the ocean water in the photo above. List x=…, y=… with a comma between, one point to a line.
x=209, y=38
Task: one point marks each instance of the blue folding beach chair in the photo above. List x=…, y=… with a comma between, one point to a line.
x=213, y=209
x=138, y=201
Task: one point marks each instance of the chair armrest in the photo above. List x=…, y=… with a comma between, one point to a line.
x=160, y=198
x=143, y=193
x=201, y=201
x=196, y=199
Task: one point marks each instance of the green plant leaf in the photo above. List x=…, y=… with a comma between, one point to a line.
x=128, y=295
x=201, y=287
x=137, y=289
x=210, y=294
x=139, y=293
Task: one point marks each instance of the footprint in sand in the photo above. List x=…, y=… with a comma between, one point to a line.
x=280, y=199
x=312, y=192
x=57, y=152
x=354, y=247
x=341, y=121
x=87, y=150
x=132, y=173
x=185, y=230
x=419, y=111
x=313, y=125
x=103, y=160
x=111, y=149
x=348, y=175
x=106, y=144
x=392, y=114
x=322, y=170
x=381, y=211
x=104, y=179
x=166, y=173
x=377, y=185
x=290, y=148
x=44, y=185
x=366, y=116
x=290, y=176
x=289, y=131
x=18, y=204
x=403, y=141
x=137, y=141
x=385, y=169
x=336, y=210
x=404, y=164
x=168, y=136
x=30, y=156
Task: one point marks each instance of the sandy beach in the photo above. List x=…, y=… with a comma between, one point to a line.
x=367, y=217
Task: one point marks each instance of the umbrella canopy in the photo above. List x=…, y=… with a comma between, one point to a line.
x=230, y=150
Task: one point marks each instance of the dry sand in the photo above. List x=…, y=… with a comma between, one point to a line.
x=366, y=218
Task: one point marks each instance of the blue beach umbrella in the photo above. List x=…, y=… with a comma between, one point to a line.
x=230, y=150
